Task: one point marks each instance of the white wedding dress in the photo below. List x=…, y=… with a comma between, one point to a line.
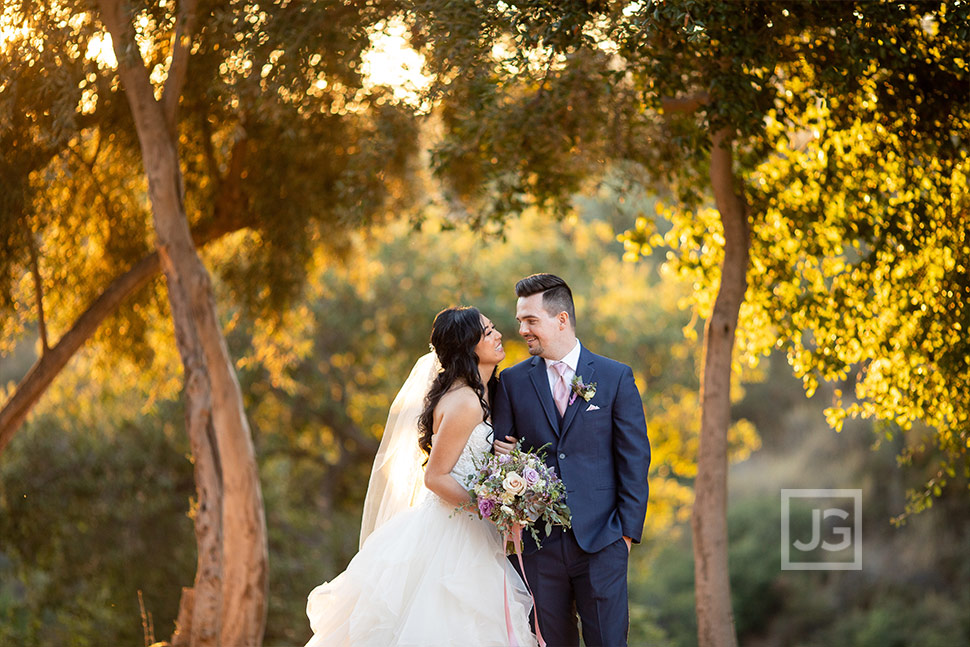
x=429, y=576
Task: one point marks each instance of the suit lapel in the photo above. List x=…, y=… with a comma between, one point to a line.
x=585, y=370
x=541, y=383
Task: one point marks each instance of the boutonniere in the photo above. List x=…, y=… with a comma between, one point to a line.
x=585, y=391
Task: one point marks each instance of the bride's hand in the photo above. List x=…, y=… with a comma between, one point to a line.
x=503, y=447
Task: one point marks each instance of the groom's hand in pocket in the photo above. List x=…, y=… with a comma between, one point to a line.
x=629, y=543
x=504, y=446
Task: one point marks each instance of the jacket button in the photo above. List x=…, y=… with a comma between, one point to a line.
x=561, y=456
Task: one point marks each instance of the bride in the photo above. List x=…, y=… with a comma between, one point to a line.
x=427, y=575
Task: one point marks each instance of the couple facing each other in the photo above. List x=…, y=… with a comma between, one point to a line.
x=428, y=575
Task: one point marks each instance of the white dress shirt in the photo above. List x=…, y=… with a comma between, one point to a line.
x=571, y=360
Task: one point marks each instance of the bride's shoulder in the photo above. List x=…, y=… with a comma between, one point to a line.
x=458, y=409
x=461, y=400
x=458, y=397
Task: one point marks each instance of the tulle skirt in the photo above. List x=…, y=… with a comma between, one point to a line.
x=428, y=577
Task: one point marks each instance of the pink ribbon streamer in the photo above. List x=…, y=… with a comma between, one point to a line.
x=508, y=615
x=515, y=536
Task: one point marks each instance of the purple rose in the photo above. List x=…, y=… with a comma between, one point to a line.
x=530, y=475
x=485, y=507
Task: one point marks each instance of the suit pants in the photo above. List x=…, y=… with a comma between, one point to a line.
x=565, y=579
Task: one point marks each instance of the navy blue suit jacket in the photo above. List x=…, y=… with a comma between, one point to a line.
x=602, y=455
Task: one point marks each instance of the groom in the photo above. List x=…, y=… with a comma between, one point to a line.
x=596, y=440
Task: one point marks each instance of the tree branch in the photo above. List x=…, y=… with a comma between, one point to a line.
x=50, y=364
x=38, y=291
x=135, y=79
x=181, y=50
x=119, y=26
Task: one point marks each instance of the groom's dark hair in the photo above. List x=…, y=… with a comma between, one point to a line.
x=556, y=295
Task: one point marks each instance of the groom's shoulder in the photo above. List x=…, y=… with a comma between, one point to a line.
x=607, y=363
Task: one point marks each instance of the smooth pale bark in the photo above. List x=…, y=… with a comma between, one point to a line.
x=715, y=620
x=244, y=551
x=199, y=622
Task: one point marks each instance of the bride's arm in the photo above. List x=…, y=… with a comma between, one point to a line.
x=459, y=412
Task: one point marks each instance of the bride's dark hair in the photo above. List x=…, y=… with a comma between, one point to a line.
x=454, y=335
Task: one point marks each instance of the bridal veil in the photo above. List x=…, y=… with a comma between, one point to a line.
x=397, y=478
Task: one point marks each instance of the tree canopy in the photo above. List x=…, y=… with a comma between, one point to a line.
x=853, y=150
x=280, y=136
x=850, y=124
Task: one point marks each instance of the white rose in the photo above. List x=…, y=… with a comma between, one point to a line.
x=507, y=497
x=507, y=510
x=513, y=483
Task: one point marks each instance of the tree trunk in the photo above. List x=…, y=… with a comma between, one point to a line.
x=199, y=621
x=715, y=620
x=242, y=618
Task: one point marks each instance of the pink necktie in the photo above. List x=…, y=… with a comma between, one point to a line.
x=560, y=392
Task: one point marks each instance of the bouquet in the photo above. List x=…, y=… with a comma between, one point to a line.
x=518, y=490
